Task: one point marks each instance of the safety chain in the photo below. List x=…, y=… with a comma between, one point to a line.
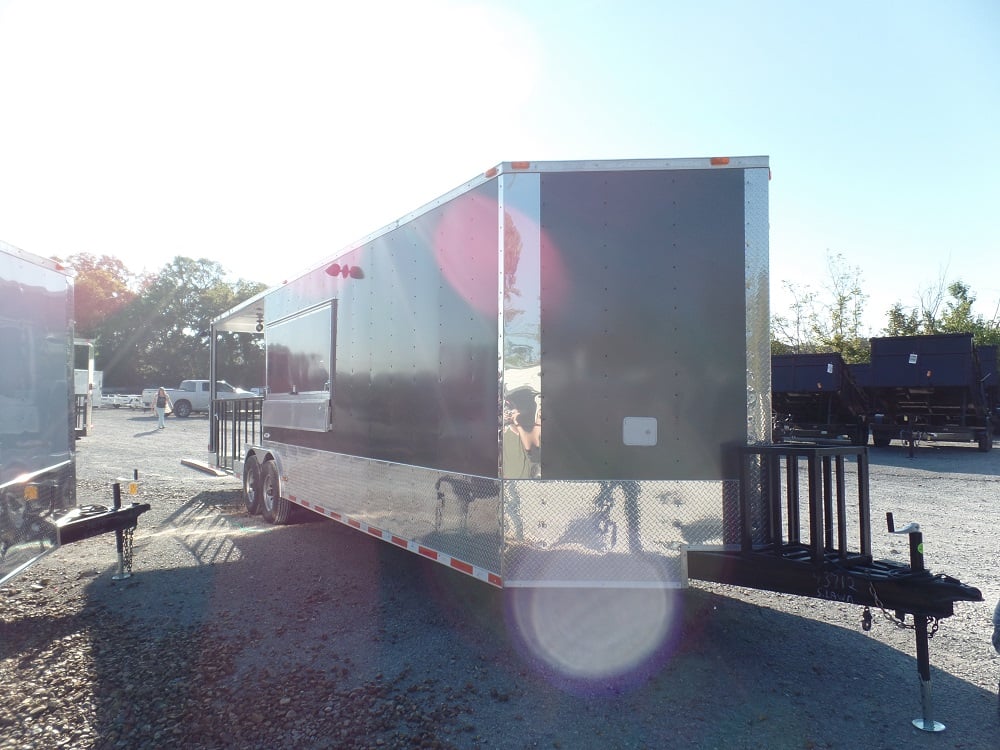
x=866, y=617
x=127, y=549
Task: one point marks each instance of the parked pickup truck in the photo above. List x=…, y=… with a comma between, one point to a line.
x=194, y=395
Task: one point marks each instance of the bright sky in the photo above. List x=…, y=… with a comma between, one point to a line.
x=266, y=136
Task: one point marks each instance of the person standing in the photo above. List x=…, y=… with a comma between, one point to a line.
x=161, y=404
x=996, y=628
x=996, y=644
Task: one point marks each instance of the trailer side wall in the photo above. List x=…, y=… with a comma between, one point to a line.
x=413, y=355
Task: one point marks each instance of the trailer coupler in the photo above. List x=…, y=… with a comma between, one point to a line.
x=94, y=520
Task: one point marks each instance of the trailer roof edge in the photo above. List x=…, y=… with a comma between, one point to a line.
x=237, y=315
x=37, y=260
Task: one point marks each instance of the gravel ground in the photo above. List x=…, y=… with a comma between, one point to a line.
x=234, y=634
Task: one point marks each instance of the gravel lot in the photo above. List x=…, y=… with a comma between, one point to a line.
x=231, y=633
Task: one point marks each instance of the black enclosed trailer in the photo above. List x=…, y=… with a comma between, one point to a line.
x=815, y=397
x=989, y=370
x=38, y=417
x=932, y=388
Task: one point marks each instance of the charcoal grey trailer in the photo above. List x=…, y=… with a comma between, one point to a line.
x=537, y=379
x=558, y=375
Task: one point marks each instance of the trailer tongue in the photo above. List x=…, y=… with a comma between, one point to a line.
x=795, y=544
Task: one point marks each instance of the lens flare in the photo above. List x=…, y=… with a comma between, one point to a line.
x=465, y=246
x=595, y=639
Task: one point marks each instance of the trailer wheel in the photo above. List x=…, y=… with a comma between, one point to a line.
x=182, y=409
x=251, y=485
x=273, y=507
x=881, y=441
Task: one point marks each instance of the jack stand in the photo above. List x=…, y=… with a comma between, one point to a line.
x=122, y=574
x=925, y=723
x=125, y=560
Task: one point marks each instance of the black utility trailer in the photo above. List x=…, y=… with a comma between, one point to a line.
x=930, y=388
x=815, y=397
x=989, y=369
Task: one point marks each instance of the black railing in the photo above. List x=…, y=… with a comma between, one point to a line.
x=772, y=474
x=81, y=415
x=235, y=425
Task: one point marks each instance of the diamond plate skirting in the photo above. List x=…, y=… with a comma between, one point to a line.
x=543, y=533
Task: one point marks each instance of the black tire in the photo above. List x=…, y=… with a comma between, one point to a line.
x=273, y=506
x=182, y=409
x=251, y=485
x=861, y=436
x=985, y=441
x=881, y=441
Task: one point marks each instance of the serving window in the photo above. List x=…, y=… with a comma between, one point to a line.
x=300, y=369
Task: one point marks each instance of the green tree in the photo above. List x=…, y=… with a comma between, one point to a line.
x=902, y=322
x=957, y=316
x=827, y=322
x=792, y=333
x=944, y=309
x=102, y=287
x=162, y=336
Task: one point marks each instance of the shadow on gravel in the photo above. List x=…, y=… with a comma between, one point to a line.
x=950, y=459
x=315, y=636
x=150, y=416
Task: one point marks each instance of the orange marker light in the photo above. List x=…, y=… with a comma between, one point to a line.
x=719, y=161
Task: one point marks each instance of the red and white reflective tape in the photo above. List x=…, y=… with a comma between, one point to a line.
x=408, y=544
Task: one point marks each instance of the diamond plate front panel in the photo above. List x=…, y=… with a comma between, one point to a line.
x=608, y=533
